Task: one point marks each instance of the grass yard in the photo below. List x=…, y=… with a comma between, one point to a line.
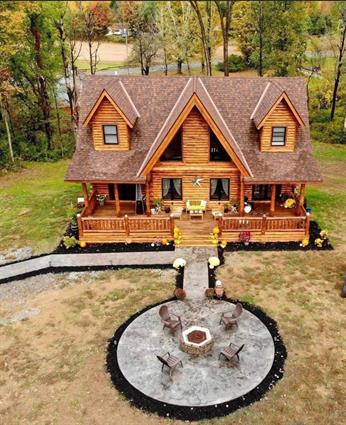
x=34, y=206
x=52, y=363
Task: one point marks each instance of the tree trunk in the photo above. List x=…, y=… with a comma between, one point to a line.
x=165, y=61
x=4, y=113
x=338, y=70
x=204, y=37
x=225, y=27
x=260, y=67
x=179, y=66
x=41, y=81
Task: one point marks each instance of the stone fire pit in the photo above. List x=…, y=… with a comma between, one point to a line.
x=196, y=340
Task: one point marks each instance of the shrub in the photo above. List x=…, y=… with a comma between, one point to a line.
x=69, y=242
x=236, y=63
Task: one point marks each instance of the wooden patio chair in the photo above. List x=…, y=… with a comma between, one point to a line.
x=231, y=352
x=229, y=319
x=171, y=362
x=169, y=320
x=177, y=212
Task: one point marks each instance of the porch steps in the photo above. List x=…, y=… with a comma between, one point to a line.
x=196, y=240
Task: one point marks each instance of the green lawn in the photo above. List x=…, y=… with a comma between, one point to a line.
x=34, y=206
x=327, y=199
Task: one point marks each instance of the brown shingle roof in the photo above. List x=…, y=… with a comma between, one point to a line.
x=234, y=99
x=271, y=94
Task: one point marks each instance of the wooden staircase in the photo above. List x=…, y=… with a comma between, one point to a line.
x=196, y=232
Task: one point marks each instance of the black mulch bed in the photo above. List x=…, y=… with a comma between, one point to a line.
x=179, y=278
x=143, y=402
x=283, y=246
x=109, y=247
x=69, y=269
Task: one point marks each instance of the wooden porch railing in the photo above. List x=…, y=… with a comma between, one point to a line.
x=264, y=224
x=126, y=225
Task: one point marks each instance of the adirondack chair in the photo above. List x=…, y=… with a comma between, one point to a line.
x=170, y=361
x=231, y=351
x=169, y=320
x=230, y=319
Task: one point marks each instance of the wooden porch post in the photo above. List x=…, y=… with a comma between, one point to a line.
x=301, y=198
x=242, y=196
x=85, y=194
x=147, y=197
x=117, y=201
x=272, y=200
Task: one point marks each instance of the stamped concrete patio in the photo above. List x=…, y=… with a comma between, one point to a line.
x=204, y=380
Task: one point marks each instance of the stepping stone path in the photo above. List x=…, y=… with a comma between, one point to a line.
x=196, y=270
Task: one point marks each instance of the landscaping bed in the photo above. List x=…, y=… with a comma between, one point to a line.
x=284, y=246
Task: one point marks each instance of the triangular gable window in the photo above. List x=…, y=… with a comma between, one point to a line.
x=173, y=151
x=217, y=151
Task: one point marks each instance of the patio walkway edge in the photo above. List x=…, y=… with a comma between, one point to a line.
x=54, y=263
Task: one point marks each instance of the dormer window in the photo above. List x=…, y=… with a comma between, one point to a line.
x=110, y=134
x=278, y=136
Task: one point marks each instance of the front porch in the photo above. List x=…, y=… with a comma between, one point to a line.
x=266, y=223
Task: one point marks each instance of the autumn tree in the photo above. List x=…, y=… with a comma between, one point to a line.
x=65, y=23
x=178, y=32
x=224, y=9
x=339, y=15
x=141, y=20
x=96, y=17
x=12, y=29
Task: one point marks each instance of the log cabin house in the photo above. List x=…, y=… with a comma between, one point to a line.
x=160, y=149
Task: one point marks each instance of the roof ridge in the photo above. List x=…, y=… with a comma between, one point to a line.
x=152, y=147
x=260, y=100
x=226, y=126
x=129, y=98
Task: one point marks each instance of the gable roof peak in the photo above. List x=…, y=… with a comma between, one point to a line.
x=272, y=94
x=118, y=96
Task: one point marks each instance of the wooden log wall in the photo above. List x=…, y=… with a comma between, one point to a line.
x=280, y=117
x=195, y=163
x=107, y=114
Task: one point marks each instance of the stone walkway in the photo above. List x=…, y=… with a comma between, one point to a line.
x=196, y=271
x=72, y=261
x=195, y=275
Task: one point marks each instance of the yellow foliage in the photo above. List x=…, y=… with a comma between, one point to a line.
x=305, y=242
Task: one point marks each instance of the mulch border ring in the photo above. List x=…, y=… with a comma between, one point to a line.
x=194, y=413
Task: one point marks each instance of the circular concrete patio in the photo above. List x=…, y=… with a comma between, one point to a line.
x=205, y=386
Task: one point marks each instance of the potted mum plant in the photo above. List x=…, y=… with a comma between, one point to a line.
x=244, y=237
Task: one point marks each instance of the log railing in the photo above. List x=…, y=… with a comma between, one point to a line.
x=126, y=225
x=264, y=224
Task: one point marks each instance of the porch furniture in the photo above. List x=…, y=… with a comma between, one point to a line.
x=231, y=351
x=177, y=212
x=80, y=202
x=229, y=319
x=169, y=320
x=196, y=213
x=170, y=361
x=216, y=213
x=196, y=205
